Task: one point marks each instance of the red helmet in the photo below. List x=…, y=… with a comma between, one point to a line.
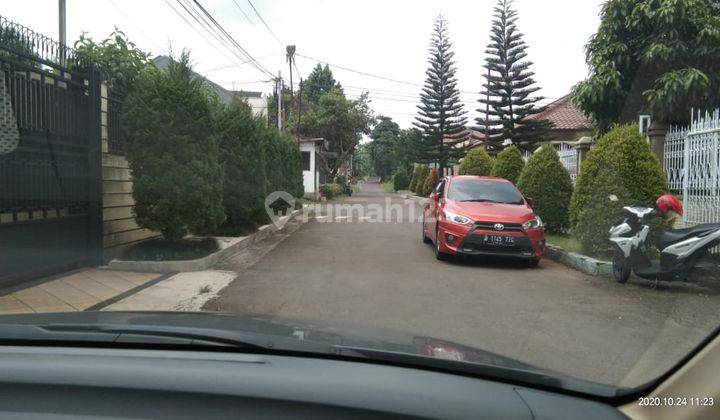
x=669, y=202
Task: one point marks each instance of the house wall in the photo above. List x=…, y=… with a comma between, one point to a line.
x=119, y=226
x=259, y=106
x=309, y=177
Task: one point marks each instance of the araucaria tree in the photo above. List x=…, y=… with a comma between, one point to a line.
x=441, y=115
x=508, y=101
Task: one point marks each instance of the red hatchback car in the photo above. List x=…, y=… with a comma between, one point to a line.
x=474, y=215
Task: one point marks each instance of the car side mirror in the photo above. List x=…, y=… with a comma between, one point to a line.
x=530, y=202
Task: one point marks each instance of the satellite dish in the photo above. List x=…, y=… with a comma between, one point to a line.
x=9, y=133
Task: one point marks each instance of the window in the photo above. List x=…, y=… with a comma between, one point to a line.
x=305, y=161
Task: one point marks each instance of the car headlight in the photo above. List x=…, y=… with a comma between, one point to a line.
x=533, y=224
x=456, y=218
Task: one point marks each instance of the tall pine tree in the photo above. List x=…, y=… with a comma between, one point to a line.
x=508, y=100
x=441, y=115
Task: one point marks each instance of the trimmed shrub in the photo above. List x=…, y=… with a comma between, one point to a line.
x=627, y=152
x=548, y=183
x=600, y=212
x=330, y=191
x=400, y=179
x=431, y=181
x=243, y=153
x=168, y=128
x=476, y=162
x=508, y=164
x=341, y=180
x=415, y=178
x=621, y=163
x=422, y=177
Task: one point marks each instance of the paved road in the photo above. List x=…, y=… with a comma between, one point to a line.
x=381, y=274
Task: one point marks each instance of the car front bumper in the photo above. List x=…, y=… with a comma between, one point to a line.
x=469, y=240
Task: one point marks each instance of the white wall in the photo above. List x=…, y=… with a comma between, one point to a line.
x=259, y=106
x=308, y=178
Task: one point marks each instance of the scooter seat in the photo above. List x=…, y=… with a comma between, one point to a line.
x=674, y=236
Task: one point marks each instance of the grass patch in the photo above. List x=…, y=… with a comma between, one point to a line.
x=356, y=188
x=162, y=250
x=389, y=187
x=566, y=242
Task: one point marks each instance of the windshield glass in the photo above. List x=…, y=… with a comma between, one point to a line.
x=488, y=191
x=276, y=162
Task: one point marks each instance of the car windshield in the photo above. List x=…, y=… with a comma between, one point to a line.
x=178, y=164
x=484, y=191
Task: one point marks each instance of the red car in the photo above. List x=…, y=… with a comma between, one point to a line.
x=474, y=215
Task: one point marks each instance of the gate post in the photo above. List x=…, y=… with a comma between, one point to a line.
x=95, y=207
x=657, y=132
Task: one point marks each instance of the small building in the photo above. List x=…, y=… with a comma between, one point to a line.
x=310, y=149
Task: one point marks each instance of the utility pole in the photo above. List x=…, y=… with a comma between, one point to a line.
x=290, y=57
x=279, y=101
x=62, y=30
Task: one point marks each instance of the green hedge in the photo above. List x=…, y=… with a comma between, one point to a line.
x=621, y=163
x=476, y=162
x=508, y=164
x=548, y=183
x=168, y=127
x=400, y=179
x=330, y=191
x=431, y=181
x=419, y=186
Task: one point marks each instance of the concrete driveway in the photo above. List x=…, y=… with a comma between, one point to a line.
x=381, y=274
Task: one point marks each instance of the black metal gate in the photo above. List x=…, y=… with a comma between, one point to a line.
x=50, y=157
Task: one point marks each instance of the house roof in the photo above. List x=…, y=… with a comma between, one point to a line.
x=247, y=94
x=162, y=62
x=564, y=115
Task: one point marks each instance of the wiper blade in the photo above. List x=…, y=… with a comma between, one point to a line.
x=130, y=334
x=536, y=377
x=479, y=200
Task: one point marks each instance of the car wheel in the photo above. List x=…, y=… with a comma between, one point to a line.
x=439, y=254
x=426, y=239
x=621, y=268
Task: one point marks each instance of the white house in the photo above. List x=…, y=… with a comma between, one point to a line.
x=309, y=151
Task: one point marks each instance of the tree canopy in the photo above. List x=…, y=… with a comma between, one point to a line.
x=441, y=117
x=340, y=121
x=119, y=58
x=508, y=99
x=660, y=57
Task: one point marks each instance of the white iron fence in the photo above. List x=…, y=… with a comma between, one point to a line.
x=692, y=164
x=569, y=159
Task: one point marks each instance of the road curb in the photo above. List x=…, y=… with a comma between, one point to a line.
x=579, y=262
x=207, y=262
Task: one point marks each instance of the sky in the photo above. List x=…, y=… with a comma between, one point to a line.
x=386, y=38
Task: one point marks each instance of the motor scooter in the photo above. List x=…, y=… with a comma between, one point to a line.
x=681, y=250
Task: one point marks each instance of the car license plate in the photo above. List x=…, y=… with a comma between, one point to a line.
x=499, y=240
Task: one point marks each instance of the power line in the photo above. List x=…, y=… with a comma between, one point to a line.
x=197, y=31
x=253, y=61
x=220, y=34
x=264, y=23
x=389, y=79
x=135, y=25
x=244, y=14
x=235, y=64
